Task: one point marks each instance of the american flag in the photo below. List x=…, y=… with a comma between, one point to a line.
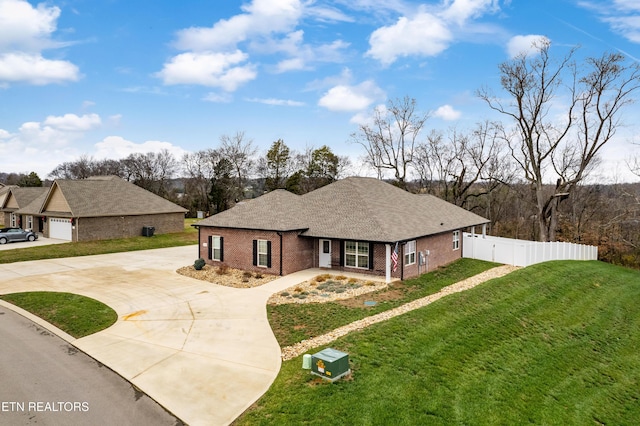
x=394, y=258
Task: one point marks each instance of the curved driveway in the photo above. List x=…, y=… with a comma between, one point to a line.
x=204, y=352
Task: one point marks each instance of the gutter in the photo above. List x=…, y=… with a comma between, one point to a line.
x=280, y=235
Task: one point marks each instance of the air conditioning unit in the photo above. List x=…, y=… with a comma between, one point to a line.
x=330, y=364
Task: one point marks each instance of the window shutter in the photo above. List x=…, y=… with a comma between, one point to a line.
x=268, y=254
x=255, y=252
x=341, y=253
x=370, y=256
x=210, y=247
x=221, y=249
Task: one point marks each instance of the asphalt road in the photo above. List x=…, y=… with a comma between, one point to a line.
x=46, y=381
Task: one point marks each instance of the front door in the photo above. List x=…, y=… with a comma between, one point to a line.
x=325, y=254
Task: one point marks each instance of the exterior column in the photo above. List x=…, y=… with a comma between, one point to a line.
x=387, y=262
x=484, y=230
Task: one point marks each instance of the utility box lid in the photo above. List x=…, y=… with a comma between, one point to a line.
x=330, y=364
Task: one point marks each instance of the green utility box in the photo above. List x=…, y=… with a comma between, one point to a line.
x=330, y=364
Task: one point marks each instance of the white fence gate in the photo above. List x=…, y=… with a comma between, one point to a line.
x=522, y=252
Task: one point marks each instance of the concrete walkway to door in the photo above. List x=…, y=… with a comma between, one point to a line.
x=205, y=352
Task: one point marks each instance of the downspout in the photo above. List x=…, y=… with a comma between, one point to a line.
x=77, y=221
x=199, y=243
x=401, y=260
x=280, y=235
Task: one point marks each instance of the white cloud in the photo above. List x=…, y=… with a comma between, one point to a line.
x=447, y=113
x=351, y=98
x=429, y=31
x=218, y=97
x=74, y=123
x=425, y=35
x=25, y=32
x=34, y=69
x=41, y=146
x=277, y=102
x=209, y=69
x=623, y=16
x=116, y=147
x=261, y=17
x=524, y=44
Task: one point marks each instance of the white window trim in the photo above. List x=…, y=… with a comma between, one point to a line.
x=29, y=224
x=409, y=251
x=215, y=245
x=13, y=220
x=356, y=254
x=456, y=240
x=265, y=253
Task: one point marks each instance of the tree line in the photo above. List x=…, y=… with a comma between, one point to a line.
x=526, y=172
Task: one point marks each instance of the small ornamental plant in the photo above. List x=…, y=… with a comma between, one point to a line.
x=199, y=264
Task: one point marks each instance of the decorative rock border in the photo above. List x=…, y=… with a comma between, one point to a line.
x=300, y=348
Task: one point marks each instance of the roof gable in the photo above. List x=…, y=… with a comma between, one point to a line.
x=55, y=201
x=109, y=196
x=18, y=197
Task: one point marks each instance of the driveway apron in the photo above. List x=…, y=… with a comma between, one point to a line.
x=203, y=351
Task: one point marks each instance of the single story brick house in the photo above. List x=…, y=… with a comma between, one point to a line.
x=15, y=198
x=354, y=224
x=102, y=207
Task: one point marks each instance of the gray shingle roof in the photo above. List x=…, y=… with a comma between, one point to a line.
x=278, y=210
x=25, y=195
x=357, y=208
x=111, y=196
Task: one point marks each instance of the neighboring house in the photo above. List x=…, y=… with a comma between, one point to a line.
x=102, y=207
x=353, y=224
x=16, y=198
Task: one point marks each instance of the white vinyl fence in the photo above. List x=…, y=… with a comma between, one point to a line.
x=521, y=252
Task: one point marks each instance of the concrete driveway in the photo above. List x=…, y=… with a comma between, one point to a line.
x=41, y=241
x=204, y=352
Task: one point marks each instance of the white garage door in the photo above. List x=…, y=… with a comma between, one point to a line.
x=60, y=228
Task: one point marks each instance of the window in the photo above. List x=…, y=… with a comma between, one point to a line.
x=30, y=222
x=410, y=253
x=356, y=254
x=215, y=248
x=326, y=246
x=456, y=240
x=263, y=253
x=14, y=220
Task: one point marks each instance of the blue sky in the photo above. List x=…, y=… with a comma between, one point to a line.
x=108, y=78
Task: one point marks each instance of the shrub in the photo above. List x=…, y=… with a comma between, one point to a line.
x=352, y=281
x=245, y=279
x=222, y=269
x=370, y=283
x=323, y=277
x=298, y=289
x=199, y=264
x=342, y=277
x=284, y=294
x=258, y=275
x=247, y=274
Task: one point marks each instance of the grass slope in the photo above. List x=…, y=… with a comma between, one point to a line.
x=292, y=323
x=76, y=315
x=555, y=343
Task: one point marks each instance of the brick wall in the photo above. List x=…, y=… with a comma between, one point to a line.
x=301, y=253
x=297, y=252
x=102, y=228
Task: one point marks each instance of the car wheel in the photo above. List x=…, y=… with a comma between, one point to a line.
x=3, y=241
x=32, y=238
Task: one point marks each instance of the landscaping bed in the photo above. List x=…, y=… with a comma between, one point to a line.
x=326, y=288
x=229, y=277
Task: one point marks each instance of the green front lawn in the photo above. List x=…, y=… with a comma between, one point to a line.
x=187, y=237
x=557, y=343
x=76, y=315
x=292, y=323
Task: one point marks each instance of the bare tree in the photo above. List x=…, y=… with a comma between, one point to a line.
x=240, y=151
x=548, y=148
x=462, y=166
x=199, y=169
x=390, y=140
x=152, y=171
